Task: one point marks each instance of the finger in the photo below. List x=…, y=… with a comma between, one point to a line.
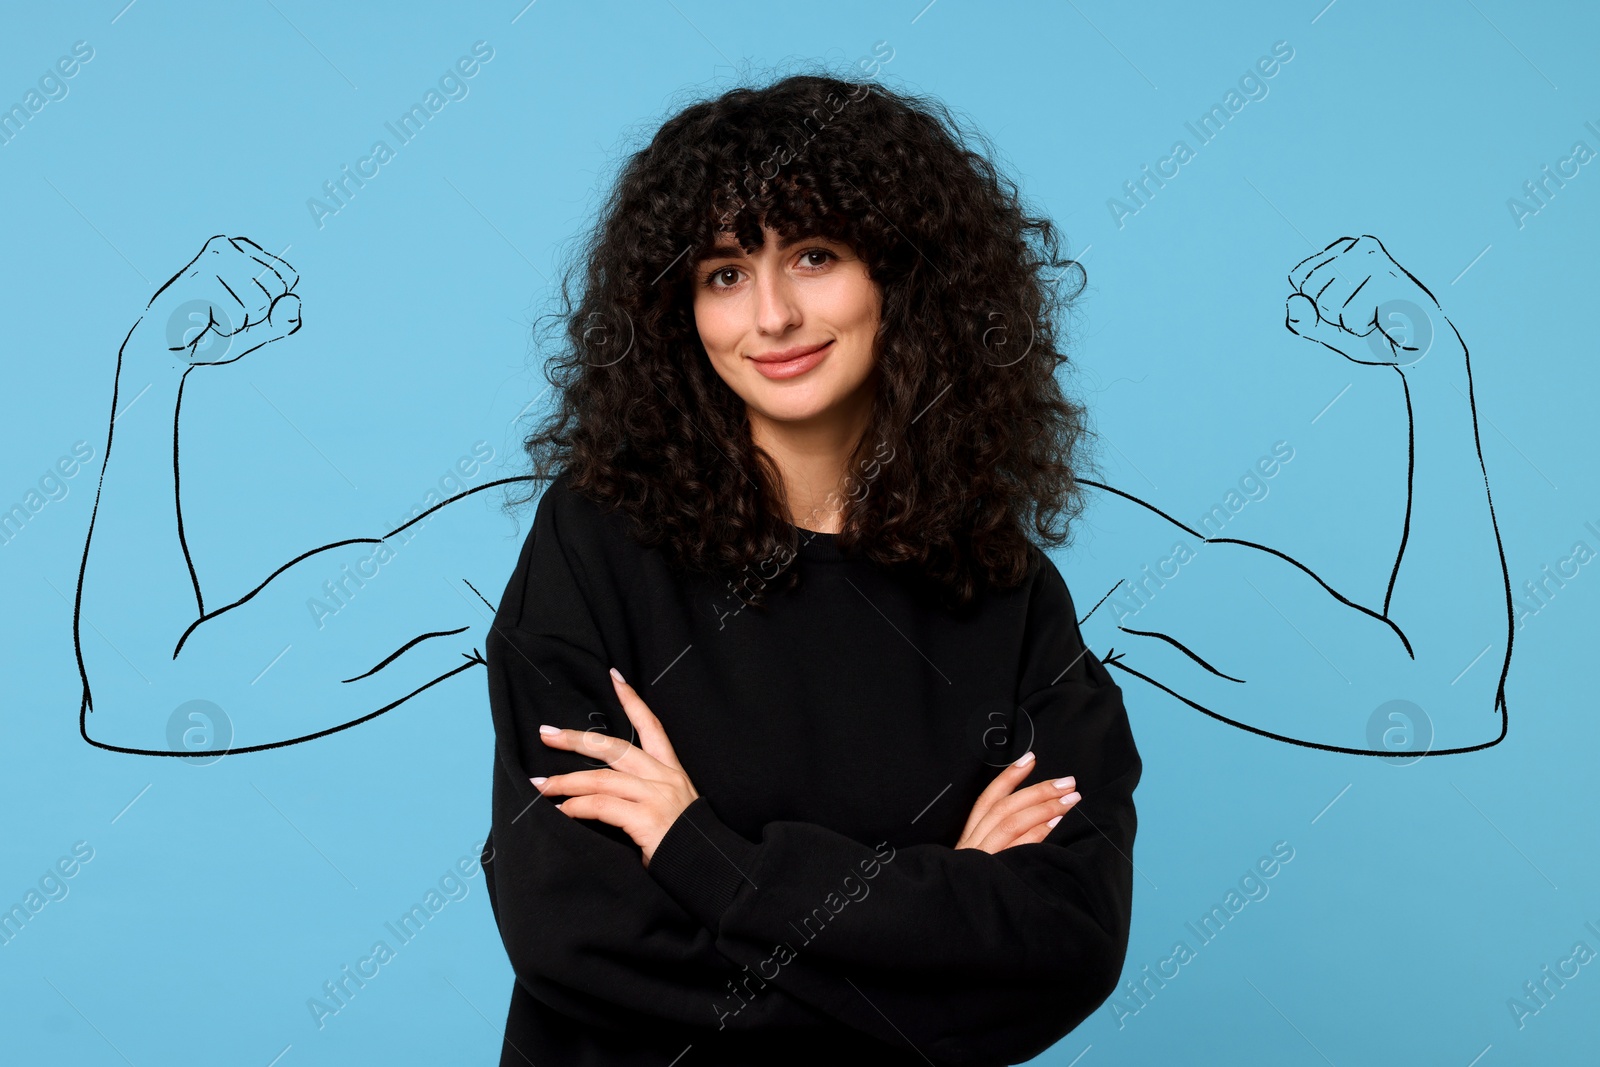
x=602, y=780
x=593, y=743
x=597, y=806
x=1047, y=792
x=1341, y=302
x=614, y=751
x=266, y=293
x=252, y=285
x=284, y=315
x=1344, y=294
x=1301, y=318
x=1013, y=826
x=1303, y=269
x=1356, y=312
x=269, y=265
x=1038, y=833
x=240, y=298
x=1000, y=787
x=652, y=735
x=1038, y=793
x=282, y=320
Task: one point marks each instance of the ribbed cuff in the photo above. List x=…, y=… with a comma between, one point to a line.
x=701, y=862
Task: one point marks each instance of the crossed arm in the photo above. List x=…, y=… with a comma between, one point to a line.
x=965, y=955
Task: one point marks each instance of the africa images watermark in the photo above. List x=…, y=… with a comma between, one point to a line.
x=52, y=488
x=1252, y=886
x=339, y=592
x=339, y=991
x=1133, y=596
x=1538, y=192
x=1252, y=87
x=1537, y=593
x=855, y=490
x=52, y=887
x=811, y=926
x=52, y=86
x=870, y=67
x=1537, y=995
x=452, y=85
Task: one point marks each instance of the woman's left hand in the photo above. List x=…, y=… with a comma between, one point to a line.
x=644, y=789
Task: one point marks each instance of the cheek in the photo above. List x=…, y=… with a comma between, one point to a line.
x=854, y=303
x=871, y=301
x=870, y=319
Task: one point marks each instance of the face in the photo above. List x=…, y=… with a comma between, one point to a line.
x=791, y=298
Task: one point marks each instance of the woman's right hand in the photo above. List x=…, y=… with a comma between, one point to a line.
x=1001, y=818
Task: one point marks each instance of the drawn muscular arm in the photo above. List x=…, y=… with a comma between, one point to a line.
x=151, y=635
x=1255, y=638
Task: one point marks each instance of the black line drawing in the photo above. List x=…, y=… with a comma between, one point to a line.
x=141, y=608
x=1354, y=300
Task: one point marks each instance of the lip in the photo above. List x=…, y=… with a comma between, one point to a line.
x=792, y=362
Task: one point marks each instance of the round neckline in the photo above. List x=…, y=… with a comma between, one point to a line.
x=816, y=544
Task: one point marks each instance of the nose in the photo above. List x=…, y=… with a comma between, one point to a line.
x=777, y=309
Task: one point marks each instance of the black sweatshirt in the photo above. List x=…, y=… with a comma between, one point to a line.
x=811, y=900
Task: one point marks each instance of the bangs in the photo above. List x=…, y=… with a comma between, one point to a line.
x=751, y=191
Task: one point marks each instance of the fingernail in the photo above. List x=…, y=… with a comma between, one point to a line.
x=1072, y=797
x=1065, y=783
x=618, y=676
x=1027, y=758
x=543, y=729
x=1053, y=821
x=541, y=780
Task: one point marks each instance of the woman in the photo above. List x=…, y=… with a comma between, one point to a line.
x=779, y=619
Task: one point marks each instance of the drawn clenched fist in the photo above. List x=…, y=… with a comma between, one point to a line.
x=1354, y=298
x=228, y=301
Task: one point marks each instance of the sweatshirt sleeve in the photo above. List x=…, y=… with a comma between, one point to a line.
x=586, y=928
x=969, y=957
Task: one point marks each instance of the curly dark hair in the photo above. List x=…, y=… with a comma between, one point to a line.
x=971, y=438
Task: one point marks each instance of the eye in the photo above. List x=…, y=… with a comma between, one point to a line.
x=711, y=279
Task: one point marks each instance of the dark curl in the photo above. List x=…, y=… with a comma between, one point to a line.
x=971, y=439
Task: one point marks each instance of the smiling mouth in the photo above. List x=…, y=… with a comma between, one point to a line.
x=795, y=366
x=798, y=355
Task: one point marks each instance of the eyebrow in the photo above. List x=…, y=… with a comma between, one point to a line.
x=727, y=248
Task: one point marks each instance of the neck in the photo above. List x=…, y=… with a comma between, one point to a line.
x=812, y=457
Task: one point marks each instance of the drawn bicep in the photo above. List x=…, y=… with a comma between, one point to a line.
x=337, y=636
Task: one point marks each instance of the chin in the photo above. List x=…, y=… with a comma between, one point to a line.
x=789, y=407
x=793, y=412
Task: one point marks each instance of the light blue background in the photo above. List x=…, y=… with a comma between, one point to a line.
x=224, y=897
